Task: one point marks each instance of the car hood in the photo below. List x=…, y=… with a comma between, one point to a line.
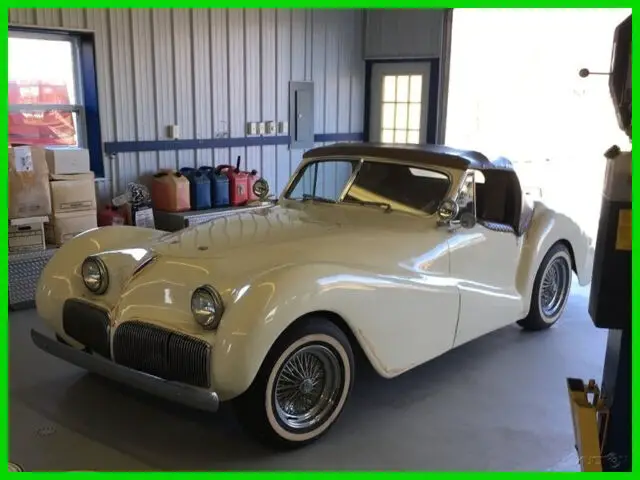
x=225, y=235
x=260, y=240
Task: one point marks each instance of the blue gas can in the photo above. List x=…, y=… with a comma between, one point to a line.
x=219, y=183
x=199, y=188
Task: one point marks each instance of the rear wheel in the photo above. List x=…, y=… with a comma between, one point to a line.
x=550, y=289
x=301, y=387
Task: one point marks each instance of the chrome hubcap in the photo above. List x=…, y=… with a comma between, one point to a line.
x=307, y=387
x=554, y=287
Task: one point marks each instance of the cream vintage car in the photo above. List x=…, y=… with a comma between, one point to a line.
x=401, y=252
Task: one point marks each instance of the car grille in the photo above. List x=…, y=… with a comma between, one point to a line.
x=162, y=353
x=88, y=325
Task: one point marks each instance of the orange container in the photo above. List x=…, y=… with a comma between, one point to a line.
x=170, y=191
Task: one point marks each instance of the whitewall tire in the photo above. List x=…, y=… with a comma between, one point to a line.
x=551, y=289
x=302, y=386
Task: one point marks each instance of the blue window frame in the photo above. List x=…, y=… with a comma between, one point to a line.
x=53, y=94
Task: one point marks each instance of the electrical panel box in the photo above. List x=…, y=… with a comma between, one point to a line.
x=301, y=114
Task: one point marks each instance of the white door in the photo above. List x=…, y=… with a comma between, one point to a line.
x=399, y=102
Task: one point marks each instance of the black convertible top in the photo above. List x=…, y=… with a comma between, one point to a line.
x=439, y=155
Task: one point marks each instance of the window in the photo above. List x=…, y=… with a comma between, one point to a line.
x=408, y=189
x=401, y=108
x=324, y=179
x=45, y=90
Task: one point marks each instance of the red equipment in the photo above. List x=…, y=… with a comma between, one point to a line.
x=47, y=128
x=110, y=215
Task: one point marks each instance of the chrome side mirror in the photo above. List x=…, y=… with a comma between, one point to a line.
x=447, y=211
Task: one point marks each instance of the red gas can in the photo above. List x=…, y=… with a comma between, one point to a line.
x=110, y=215
x=238, y=183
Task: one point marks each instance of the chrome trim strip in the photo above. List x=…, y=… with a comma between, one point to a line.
x=193, y=397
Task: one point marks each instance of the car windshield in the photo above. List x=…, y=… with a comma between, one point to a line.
x=378, y=183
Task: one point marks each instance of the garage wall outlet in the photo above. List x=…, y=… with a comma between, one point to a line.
x=271, y=128
x=283, y=128
x=252, y=128
x=173, y=131
x=262, y=129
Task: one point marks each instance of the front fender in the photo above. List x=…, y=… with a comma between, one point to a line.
x=265, y=308
x=548, y=228
x=61, y=278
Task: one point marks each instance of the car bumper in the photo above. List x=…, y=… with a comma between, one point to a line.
x=189, y=396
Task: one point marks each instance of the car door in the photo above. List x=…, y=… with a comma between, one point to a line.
x=483, y=262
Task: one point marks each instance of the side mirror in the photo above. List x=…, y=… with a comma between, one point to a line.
x=447, y=211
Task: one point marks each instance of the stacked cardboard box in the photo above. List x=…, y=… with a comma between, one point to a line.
x=73, y=194
x=29, y=198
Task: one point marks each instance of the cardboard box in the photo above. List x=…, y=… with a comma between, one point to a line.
x=29, y=194
x=64, y=161
x=73, y=193
x=27, y=234
x=62, y=227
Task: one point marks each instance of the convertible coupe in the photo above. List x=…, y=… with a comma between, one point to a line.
x=401, y=252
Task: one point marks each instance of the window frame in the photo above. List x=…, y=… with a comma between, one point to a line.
x=313, y=162
x=298, y=176
x=88, y=129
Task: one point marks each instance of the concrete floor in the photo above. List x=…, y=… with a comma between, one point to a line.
x=498, y=404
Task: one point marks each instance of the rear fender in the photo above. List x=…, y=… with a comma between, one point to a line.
x=548, y=228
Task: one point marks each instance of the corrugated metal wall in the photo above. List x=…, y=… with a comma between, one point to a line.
x=210, y=71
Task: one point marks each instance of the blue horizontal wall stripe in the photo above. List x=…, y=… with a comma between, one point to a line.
x=111, y=148
x=338, y=137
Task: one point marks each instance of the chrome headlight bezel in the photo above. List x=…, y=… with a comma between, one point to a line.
x=208, y=320
x=102, y=286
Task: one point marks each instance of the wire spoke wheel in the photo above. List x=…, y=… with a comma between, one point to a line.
x=308, y=387
x=554, y=287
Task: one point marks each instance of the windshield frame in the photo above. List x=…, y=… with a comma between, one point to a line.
x=454, y=180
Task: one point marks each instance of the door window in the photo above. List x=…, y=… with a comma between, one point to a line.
x=401, y=108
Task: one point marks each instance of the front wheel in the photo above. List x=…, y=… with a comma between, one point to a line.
x=550, y=289
x=302, y=386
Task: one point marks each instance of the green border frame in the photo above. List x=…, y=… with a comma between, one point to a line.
x=289, y=4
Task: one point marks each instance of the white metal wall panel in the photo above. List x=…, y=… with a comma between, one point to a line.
x=202, y=88
x=237, y=88
x=220, y=81
x=183, y=78
x=283, y=74
x=253, y=81
x=164, y=91
x=210, y=71
x=396, y=33
x=268, y=26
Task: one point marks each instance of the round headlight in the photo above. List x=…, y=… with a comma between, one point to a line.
x=94, y=275
x=207, y=307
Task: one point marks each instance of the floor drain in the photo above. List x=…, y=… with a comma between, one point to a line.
x=14, y=467
x=46, y=431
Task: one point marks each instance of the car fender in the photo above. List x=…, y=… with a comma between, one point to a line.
x=549, y=227
x=264, y=308
x=61, y=277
